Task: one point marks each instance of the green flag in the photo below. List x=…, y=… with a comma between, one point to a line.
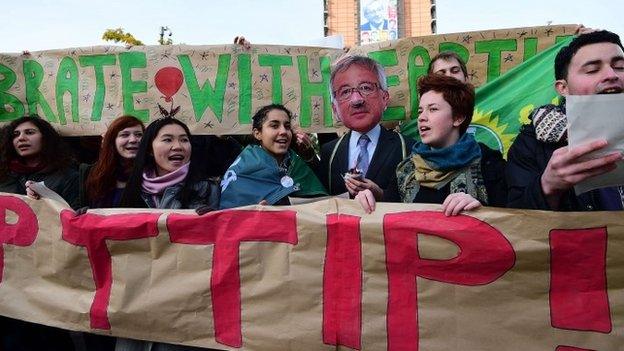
x=505, y=103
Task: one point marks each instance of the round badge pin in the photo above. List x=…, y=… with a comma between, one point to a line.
x=287, y=181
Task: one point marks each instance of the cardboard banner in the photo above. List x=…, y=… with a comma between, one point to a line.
x=216, y=89
x=319, y=276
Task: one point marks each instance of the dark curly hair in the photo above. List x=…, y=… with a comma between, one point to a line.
x=54, y=154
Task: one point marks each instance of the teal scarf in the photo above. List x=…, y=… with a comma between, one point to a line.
x=456, y=156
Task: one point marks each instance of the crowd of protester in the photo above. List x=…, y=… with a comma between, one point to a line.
x=163, y=166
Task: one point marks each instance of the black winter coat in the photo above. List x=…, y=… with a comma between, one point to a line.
x=526, y=162
x=64, y=182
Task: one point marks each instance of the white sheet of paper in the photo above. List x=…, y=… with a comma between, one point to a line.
x=592, y=117
x=47, y=193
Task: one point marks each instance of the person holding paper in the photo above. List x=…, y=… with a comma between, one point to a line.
x=542, y=170
x=33, y=151
x=448, y=166
x=366, y=156
x=268, y=170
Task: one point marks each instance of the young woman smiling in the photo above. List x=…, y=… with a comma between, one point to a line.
x=269, y=170
x=163, y=175
x=448, y=166
x=32, y=151
x=102, y=184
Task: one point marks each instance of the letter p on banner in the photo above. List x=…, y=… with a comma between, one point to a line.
x=484, y=256
x=21, y=233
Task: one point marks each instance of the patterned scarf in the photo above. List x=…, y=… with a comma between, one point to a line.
x=459, y=165
x=550, y=122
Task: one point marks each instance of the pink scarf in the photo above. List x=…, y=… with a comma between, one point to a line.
x=154, y=185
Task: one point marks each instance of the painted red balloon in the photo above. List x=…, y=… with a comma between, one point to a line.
x=168, y=81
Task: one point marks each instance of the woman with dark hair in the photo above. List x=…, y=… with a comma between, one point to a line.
x=102, y=184
x=164, y=175
x=33, y=151
x=448, y=166
x=267, y=171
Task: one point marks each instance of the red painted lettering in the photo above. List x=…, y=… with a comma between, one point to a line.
x=484, y=256
x=570, y=348
x=21, y=233
x=226, y=230
x=342, y=282
x=92, y=231
x=578, y=280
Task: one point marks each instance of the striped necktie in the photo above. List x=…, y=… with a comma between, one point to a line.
x=363, y=159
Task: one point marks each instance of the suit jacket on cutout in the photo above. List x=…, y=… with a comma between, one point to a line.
x=388, y=153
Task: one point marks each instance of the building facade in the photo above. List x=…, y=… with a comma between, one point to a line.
x=368, y=21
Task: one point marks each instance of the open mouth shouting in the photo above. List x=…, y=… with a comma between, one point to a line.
x=171, y=148
x=177, y=159
x=23, y=147
x=26, y=149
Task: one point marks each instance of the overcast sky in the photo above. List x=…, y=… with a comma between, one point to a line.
x=38, y=25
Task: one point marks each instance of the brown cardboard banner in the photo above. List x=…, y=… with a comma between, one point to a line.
x=319, y=276
x=216, y=89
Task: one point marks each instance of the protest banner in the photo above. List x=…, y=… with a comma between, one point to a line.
x=319, y=276
x=216, y=89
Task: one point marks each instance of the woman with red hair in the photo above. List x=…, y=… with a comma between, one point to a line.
x=102, y=184
x=448, y=166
